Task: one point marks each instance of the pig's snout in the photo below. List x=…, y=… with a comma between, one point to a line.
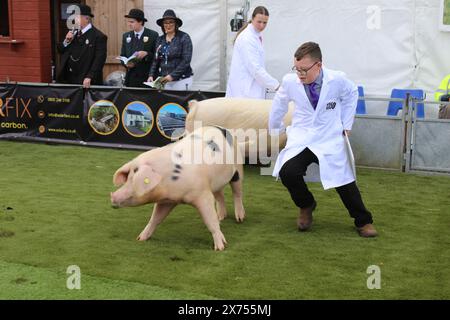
x=114, y=202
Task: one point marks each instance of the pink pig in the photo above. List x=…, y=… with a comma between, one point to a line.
x=194, y=170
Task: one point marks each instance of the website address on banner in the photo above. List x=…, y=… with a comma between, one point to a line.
x=64, y=115
x=62, y=130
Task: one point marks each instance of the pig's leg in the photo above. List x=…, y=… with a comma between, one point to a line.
x=205, y=205
x=160, y=212
x=236, y=187
x=221, y=207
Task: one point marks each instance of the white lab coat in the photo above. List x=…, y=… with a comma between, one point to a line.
x=248, y=77
x=320, y=130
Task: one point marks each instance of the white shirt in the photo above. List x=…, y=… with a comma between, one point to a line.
x=248, y=77
x=139, y=33
x=87, y=28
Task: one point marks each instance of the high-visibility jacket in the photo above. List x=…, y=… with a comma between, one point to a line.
x=444, y=88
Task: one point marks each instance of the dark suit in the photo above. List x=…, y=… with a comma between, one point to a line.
x=137, y=75
x=83, y=58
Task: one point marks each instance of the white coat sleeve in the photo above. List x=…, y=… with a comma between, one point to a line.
x=280, y=107
x=254, y=67
x=349, y=100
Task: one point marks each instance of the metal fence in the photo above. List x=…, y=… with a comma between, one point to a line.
x=379, y=141
x=429, y=147
x=405, y=142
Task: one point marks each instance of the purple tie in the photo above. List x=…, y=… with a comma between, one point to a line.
x=313, y=95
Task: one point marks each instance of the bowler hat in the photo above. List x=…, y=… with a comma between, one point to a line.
x=169, y=14
x=85, y=10
x=136, y=14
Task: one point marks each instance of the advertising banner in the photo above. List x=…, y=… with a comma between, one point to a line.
x=100, y=116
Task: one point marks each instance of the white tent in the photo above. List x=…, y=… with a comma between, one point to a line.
x=380, y=44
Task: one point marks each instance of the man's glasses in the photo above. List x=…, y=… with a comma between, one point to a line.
x=303, y=72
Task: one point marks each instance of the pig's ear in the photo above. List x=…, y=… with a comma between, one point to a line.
x=121, y=175
x=145, y=180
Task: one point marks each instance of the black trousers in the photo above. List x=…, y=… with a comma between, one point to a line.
x=136, y=78
x=292, y=173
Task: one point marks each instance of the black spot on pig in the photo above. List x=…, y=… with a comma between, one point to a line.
x=214, y=147
x=176, y=172
x=179, y=155
x=226, y=134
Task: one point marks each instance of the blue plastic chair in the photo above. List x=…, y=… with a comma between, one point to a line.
x=395, y=106
x=361, y=106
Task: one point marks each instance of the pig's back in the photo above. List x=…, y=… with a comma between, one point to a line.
x=231, y=113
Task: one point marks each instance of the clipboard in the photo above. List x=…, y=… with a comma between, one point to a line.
x=350, y=156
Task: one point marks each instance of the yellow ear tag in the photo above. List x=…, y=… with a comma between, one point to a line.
x=146, y=180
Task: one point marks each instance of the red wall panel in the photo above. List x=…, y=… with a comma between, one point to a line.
x=29, y=61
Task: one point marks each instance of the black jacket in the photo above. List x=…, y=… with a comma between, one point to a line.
x=90, y=51
x=173, y=57
x=137, y=75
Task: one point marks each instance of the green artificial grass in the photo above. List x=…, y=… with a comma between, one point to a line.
x=55, y=212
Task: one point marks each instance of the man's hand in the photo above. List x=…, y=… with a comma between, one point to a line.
x=69, y=36
x=87, y=83
x=347, y=133
x=141, y=54
x=150, y=79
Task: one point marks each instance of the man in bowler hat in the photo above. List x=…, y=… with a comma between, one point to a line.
x=83, y=52
x=141, y=42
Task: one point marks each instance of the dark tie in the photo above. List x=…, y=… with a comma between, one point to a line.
x=135, y=43
x=313, y=94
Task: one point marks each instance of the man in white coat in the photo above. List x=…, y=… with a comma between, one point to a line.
x=325, y=106
x=248, y=77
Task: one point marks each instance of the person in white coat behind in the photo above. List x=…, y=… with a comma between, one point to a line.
x=325, y=106
x=248, y=77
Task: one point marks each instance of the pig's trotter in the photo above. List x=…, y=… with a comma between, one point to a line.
x=221, y=207
x=160, y=212
x=145, y=235
x=205, y=206
x=239, y=210
x=219, y=241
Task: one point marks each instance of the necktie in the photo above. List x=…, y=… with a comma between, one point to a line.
x=135, y=43
x=260, y=39
x=313, y=94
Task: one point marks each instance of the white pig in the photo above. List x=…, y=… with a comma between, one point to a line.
x=193, y=170
x=239, y=113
